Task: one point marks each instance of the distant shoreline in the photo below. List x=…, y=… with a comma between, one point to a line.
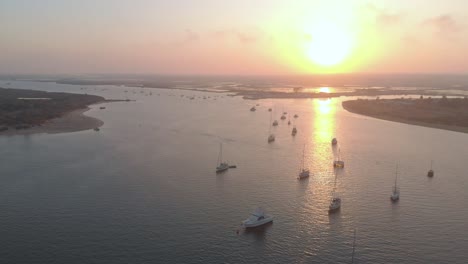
x=352, y=106
x=26, y=112
x=72, y=121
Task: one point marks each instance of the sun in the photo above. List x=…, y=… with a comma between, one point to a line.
x=329, y=45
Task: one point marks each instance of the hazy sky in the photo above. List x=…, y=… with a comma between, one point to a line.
x=233, y=37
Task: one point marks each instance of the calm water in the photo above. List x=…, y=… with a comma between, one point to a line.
x=143, y=189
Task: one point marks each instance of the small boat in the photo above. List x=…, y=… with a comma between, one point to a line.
x=285, y=113
x=96, y=129
x=283, y=117
x=335, y=203
x=269, y=109
x=271, y=136
x=232, y=166
x=294, y=131
x=222, y=166
x=296, y=116
x=334, y=141
x=430, y=173
x=102, y=107
x=253, y=109
x=275, y=123
x=338, y=163
x=303, y=173
x=257, y=218
x=289, y=122
x=396, y=191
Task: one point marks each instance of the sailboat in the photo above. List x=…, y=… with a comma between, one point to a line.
x=338, y=163
x=303, y=173
x=335, y=203
x=430, y=173
x=396, y=191
x=334, y=141
x=271, y=136
x=221, y=166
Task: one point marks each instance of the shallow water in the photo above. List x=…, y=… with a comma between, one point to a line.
x=143, y=189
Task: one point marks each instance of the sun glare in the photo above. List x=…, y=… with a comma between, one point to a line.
x=329, y=45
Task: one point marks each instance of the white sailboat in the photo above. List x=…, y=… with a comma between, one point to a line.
x=335, y=203
x=303, y=173
x=430, y=173
x=221, y=165
x=396, y=191
x=271, y=136
x=338, y=163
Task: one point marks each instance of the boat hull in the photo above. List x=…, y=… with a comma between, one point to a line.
x=248, y=224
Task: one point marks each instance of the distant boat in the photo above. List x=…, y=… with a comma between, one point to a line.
x=294, y=131
x=430, y=173
x=257, y=218
x=289, y=122
x=221, y=165
x=335, y=203
x=334, y=141
x=284, y=113
x=396, y=191
x=303, y=173
x=102, y=107
x=253, y=109
x=271, y=136
x=338, y=163
x=96, y=129
x=296, y=116
x=283, y=117
x=275, y=123
x=269, y=109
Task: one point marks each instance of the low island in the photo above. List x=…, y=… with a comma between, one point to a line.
x=443, y=113
x=30, y=112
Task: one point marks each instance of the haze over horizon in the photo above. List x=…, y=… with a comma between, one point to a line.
x=229, y=38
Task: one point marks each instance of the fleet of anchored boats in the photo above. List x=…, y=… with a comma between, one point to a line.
x=258, y=217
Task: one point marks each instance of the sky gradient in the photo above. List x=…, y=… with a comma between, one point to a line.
x=235, y=37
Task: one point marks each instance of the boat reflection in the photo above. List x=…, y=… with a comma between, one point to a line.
x=258, y=233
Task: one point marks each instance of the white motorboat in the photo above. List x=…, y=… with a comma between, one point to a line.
x=257, y=218
x=396, y=191
x=222, y=166
x=334, y=205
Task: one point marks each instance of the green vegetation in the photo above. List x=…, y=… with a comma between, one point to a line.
x=25, y=108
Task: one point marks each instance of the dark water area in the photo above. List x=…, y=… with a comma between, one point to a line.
x=144, y=188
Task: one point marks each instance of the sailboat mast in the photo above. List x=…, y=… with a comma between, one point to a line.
x=396, y=175
x=303, y=153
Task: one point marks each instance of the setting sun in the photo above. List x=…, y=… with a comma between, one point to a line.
x=329, y=44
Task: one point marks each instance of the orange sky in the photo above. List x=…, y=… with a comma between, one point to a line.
x=241, y=37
